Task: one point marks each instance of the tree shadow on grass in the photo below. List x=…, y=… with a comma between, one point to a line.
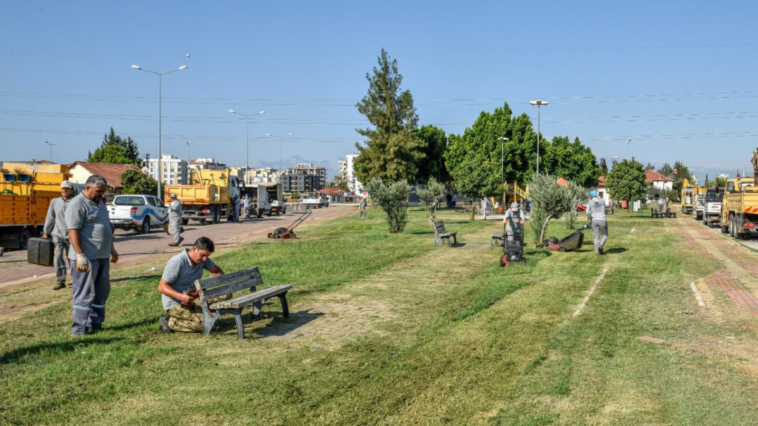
x=61, y=347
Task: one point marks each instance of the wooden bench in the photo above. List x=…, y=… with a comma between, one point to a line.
x=463, y=208
x=440, y=234
x=656, y=214
x=497, y=237
x=222, y=285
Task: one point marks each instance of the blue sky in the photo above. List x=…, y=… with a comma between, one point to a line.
x=677, y=77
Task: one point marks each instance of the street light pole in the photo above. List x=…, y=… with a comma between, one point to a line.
x=188, y=154
x=51, y=149
x=539, y=103
x=502, y=140
x=160, y=88
x=627, y=149
x=280, y=148
x=247, y=140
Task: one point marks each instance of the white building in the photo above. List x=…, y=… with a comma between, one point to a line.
x=659, y=181
x=352, y=181
x=206, y=163
x=174, y=169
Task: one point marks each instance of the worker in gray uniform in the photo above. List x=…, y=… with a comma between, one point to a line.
x=91, y=235
x=175, y=221
x=362, y=207
x=596, y=215
x=518, y=218
x=55, y=227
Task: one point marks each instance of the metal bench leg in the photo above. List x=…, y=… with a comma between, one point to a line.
x=285, y=307
x=455, y=240
x=208, y=320
x=256, y=309
x=240, y=327
x=448, y=242
x=436, y=241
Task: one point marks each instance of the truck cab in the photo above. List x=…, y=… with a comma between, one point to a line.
x=712, y=208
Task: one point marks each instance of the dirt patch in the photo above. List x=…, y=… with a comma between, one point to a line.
x=13, y=312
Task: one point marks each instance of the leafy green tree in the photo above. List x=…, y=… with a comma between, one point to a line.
x=435, y=145
x=477, y=177
x=132, y=152
x=650, y=166
x=136, y=182
x=111, y=154
x=431, y=196
x=519, y=152
x=719, y=182
x=572, y=161
x=682, y=173
x=392, y=198
x=667, y=170
x=392, y=151
x=603, y=167
x=626, y=181
x=340, y=182
x=707, y=182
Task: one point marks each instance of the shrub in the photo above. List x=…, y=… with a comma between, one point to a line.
x=392, y=199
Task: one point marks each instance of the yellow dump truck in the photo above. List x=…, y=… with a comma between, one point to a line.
x=739, y=208
x=698, y=202
x=687, y=196
x=209, y=196
x=25, y=194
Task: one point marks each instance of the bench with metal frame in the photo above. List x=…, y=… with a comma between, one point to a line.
x=440, y=234
x=223, y=285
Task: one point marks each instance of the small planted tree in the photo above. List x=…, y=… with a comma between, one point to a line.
x=576, y=194
x=392, y=199
x=477, y=177
x=431, y=196
x=550, y=200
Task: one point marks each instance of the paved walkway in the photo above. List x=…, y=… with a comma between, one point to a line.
x=14, y=269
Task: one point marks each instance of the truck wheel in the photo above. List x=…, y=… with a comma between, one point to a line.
x=2, y=251
x=185, y=222
x=145, y=228
x=216, y=215
x=23, y=239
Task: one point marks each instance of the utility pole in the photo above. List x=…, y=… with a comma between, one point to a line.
x=51, y=149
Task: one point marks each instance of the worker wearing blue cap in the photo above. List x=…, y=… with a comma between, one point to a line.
x=596, y=215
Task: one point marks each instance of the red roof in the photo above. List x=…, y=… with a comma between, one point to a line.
x=332, y=191
x=111, y=172
x=601, y=181
x=652, y=176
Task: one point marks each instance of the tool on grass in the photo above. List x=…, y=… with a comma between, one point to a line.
x=513, y=251
x=570, y=243
x=280, y=233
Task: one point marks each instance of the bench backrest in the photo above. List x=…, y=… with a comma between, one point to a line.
x=222, y=285
x=439, y=227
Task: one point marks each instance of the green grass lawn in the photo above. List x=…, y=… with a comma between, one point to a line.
x=386, y=329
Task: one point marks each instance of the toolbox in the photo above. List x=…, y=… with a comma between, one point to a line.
x=41, y=251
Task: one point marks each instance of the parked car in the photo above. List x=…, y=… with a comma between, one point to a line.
x=137, y=212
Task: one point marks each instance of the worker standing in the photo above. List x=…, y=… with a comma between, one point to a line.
x=596, y=215
x=55, y=227
x=362, y=207
x=91, y=235
x=237, y=209
x=175, y=220
x=246, y=206
x=660, y=205
x=518, y=217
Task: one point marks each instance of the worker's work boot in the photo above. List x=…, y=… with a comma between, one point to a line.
x=601, y=250
x=59, y=285
x=164, y=325
x=180, y=240
x=173, y=244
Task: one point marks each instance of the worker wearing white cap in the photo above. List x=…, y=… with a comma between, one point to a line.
x=517, y=216
x=596, y=216
x=55, y=227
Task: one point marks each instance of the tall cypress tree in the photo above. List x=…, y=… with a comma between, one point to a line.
x=392, y=151
x=132, y=151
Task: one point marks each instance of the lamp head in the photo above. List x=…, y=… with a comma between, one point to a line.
x=136, y=67
x=183, y=67
x=289, y=134
x=269, y=134
x=232, y=111
x=262, y=112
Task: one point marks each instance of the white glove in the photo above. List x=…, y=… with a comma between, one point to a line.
x=114, y=255
x=82, y=264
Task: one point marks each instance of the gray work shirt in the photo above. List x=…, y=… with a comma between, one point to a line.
x=55, y=222
x=596, y=209
x=175, y=212
x=95, y=230
x=515, y=215
x=181, y=274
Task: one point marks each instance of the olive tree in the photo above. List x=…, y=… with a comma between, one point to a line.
x=431, y=196
x=392, y=198
x=550, y=200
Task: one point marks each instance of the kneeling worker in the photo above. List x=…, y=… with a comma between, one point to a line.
x=179, y=279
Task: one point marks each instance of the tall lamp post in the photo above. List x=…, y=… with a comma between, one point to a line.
x=247, y=139
x=51, y=149
x=188, y=152
x=627, y=149
x=539, y=103
x=160, y=80
x=502, y=140
x=280, y=148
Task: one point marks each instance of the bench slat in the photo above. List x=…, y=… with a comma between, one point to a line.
x=227, y=278
x=249, y=299
x=231, y=288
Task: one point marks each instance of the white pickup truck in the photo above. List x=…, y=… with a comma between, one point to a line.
x=314, y=201
x=137, y=212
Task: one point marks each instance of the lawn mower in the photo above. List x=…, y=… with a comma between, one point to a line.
x=570, y=243
x=513, y=251
x=280, y=233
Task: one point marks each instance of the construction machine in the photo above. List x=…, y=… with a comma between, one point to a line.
x=739, y=208
x=208, y=196
x=687, y=196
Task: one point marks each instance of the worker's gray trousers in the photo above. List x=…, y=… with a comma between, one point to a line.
x=61, y=256
x=599, y=227
x=660, y=208
x=175, y=229
x=91, y=290
x=363, y=212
